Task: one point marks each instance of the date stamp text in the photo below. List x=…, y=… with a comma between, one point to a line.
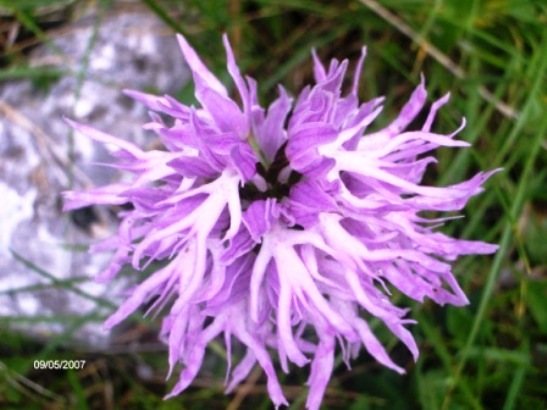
x=59, y=364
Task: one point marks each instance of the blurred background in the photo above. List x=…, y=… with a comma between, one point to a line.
x=73, y=58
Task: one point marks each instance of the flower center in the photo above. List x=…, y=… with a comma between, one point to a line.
x=279, y=179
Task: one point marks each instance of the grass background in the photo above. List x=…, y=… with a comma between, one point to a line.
x=492, y=56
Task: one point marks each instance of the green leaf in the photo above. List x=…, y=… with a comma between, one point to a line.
x=13, y=5
x=535, y=299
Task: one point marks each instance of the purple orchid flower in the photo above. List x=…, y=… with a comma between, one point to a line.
x=269, y=232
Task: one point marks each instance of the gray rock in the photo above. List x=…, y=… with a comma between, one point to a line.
x=40, y=157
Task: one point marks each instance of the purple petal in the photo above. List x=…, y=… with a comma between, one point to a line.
x=198, y=68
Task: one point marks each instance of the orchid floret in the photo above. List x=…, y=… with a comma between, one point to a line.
x=285, y=229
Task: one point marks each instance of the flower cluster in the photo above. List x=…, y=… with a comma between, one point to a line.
x=281, y=228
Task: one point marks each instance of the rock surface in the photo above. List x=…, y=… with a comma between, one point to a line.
x=40, y=157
